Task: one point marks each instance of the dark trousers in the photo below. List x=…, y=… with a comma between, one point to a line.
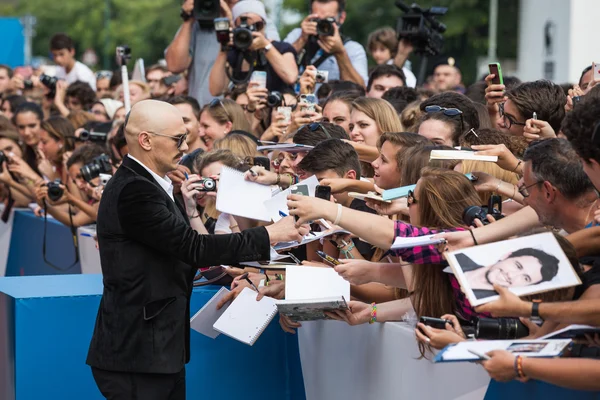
x=136, y=386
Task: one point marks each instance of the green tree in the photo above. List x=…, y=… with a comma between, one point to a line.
x=466, y=37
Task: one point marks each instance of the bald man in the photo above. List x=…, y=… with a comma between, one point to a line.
x=149, y=256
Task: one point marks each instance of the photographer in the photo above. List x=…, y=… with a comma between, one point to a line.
x=155, y=75
x=278, y=59
x=344, y=59
x=195, y=48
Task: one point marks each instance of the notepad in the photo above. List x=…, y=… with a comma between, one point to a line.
x=410, y=242
x=527, y=348
x=573, y=332
x=278, y=203
x=312, y=291
x=202, y=322
x=246, y=319
x=240, y=197
x=397, y=193
x=459, y=155
x=367, y=196
x=287, y=147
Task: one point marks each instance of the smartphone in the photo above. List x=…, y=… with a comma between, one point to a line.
x=596, y=68
x=259, y=77
x=171, y=79
x=437, y=323
x=286, y=112
x=300, y=189
x=471, y=177
x=497, y=71
x=310, y=100
x=323, y=192
x=328, y=258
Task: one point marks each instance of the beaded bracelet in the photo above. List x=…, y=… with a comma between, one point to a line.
x=520, y=367
x=373, y=313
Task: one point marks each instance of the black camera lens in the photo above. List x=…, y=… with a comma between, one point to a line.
x=99, y=165
x=475, y=212
x=3, y=159
x=274, y=99
x=325, y=27
x=209, y=185
x=55, y=192
x=27, y=84
x=48, y=81
x=92, y=136
x=242, y=38
x=500, y=329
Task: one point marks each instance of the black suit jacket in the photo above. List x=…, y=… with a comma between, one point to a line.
x=149, y=255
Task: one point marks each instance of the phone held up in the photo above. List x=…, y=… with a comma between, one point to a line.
x=323, y=192
x=497, y=71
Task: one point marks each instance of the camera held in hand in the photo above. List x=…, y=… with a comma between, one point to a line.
x=274, y=99
x=500, y=329
x=494, y=208
x=242, y=35
x=99, y=165
x=3, y=159
x=46, y=80
x=325, y=26
x=55, y=192
x=92, y=136
x=208, y=185
x=421, y=28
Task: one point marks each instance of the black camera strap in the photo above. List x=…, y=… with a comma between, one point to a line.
x=9, y=205
x=241, y=57
x=73, y=235
x=308, y=53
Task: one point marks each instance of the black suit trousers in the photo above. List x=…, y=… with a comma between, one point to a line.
x=139, y=386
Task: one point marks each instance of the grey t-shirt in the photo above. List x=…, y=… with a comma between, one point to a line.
x=204, y=49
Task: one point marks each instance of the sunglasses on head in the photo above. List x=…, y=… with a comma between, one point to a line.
x=314, y=126
x=104, y=75
x=450, y=112
x=216, y=102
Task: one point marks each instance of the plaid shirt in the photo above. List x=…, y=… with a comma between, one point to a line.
x=430, y=255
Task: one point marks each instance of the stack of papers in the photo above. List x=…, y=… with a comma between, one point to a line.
x=410, y=242
x=459, y=155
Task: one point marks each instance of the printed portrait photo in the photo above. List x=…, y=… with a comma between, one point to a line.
x=526, y=347
x=526, y=265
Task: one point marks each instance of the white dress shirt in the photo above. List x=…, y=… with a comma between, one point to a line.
x=164, y=183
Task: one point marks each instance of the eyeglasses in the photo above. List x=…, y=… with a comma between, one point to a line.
x=450, y=112
x=410, y=198
x=508, y=120
x=314, y=126
x=215, y=102
x=104, y=75
x=523, y=189
x=179, y=138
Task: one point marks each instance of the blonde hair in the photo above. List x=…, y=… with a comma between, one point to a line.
x=240, y=145
x=228, y=110
x=491, y=169
x=381, y=112
x=79, y=118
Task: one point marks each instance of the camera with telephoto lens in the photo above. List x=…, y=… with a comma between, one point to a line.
x=47, y=80
x=421, y=28
x=500, y=329
x=274, y=99
x=242, y=35
x=208, y=185
x=99, y=165
x=92, y=136
x=494, y=208
x=55, y=192
x=325, y=26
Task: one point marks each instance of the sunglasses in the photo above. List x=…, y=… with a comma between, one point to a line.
x=314, y=126
x=216, y=102
x=179, y=138
x=508, y=120
x=104, y=75
x=410, y=198
x=450, y=112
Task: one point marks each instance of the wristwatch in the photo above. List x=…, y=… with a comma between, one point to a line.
x=268, y=47
x=185, y=16
x=535, y=312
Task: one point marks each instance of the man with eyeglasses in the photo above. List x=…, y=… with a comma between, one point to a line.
x=149, y=256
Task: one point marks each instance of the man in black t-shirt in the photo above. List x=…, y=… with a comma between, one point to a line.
x=335, y=159
x=277, y=59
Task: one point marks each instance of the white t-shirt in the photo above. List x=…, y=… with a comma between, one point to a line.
x=80, y=72
x=222, y=225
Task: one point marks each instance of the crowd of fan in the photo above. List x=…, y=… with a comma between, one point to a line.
x=371, y=130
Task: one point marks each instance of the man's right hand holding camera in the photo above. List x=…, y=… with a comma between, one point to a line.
x=309, y=28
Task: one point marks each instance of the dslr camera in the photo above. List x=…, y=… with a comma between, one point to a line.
x=47, y=80
x=274, y=99
x=92, y=136
x=242, y=35
x=325, y=26
x=500, y=329
x=99, y=165
x=421, y=28
x=494, y=208
x=55, y=192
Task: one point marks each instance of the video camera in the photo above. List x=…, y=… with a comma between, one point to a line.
x=205, y=11
x=421, y=28
x=55, y=192
x=99, y=165
x=494, y=208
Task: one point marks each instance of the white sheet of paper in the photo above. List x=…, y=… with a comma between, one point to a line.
x=305, y=283
x=237, y=196
x=205, y=318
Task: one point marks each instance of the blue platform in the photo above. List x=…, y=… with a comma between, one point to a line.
x=46, y=323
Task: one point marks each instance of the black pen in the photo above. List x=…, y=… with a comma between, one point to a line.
x=245, y=276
